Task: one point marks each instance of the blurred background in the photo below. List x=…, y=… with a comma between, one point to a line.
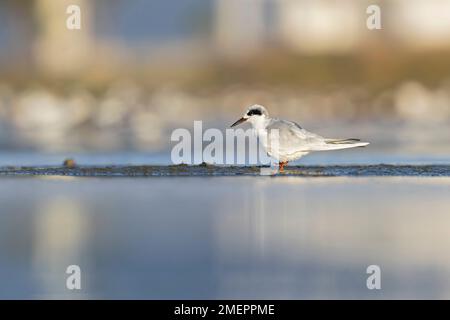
x=114, y=90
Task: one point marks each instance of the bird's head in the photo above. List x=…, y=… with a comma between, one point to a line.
x=254, y=114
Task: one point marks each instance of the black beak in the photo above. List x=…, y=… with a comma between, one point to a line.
x=238, y=122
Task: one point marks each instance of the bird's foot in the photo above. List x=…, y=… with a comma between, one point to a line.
x=281, y=165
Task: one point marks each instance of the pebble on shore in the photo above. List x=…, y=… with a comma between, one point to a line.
x=69, y=163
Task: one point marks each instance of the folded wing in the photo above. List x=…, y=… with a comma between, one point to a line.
x=293, y=139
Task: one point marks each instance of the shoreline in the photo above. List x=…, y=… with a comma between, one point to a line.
x=206, y=170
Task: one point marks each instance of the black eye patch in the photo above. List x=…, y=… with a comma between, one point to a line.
x=254, y=112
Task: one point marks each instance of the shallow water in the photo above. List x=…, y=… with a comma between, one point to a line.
x=205, y=170
x=225, y=237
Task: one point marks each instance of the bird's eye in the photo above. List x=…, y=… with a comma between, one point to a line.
x=254, y=112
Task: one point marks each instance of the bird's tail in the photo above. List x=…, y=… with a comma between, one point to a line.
x=335, y=144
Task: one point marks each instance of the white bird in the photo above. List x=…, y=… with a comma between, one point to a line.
x=292, y=141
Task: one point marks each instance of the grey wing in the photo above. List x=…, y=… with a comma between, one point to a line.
x=293, y=138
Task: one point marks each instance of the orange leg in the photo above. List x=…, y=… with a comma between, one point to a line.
x=281, y=165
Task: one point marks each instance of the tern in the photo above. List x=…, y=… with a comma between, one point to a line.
x=292, y=141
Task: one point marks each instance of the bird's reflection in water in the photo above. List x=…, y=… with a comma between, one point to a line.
x=253, y=240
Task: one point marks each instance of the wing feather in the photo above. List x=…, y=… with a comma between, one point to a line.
x=294, y=138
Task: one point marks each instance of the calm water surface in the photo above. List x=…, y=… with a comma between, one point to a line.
x=247, y=237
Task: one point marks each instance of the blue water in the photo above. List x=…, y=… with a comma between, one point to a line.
x=247, y=237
